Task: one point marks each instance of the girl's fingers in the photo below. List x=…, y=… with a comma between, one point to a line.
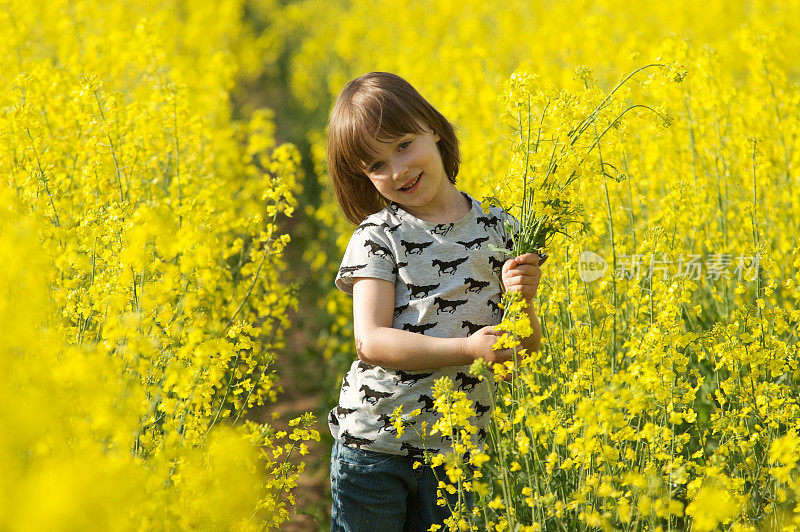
x=532, y=259
x=524, y=269
x=503, y=355
x=527, y=287
x=526, y=260
x=518, y=279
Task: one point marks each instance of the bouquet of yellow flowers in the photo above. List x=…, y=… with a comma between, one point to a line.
x=549, y=153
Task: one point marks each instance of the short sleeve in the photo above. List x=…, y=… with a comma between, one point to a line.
x=507, y=226
x=368, y=254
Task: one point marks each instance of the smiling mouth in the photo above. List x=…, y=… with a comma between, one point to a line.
x=411, y=185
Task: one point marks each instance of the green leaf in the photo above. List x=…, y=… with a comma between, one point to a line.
x=499, y=249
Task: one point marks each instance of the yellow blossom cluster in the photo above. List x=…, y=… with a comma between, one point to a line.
x=670, y=379
x=142, y=302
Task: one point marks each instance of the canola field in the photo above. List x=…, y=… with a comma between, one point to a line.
x=151, y=200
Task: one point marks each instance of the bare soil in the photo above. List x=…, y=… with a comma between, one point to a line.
x=301, y=378
x=312, y=494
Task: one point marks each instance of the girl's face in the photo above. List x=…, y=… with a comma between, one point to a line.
x=408, y=170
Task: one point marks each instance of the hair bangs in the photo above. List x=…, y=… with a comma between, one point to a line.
x=379, y=120
x=396, y=119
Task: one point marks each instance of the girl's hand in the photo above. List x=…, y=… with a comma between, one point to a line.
x=480, y=343
x=522, y=274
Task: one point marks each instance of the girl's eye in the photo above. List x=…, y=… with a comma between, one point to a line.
x=376, y=166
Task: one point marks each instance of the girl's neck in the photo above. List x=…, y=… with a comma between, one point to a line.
x=449, y=206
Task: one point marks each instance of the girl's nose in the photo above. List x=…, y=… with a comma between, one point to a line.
x=399, y=171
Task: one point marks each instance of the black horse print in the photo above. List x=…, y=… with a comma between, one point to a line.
x=482, y=435
x=412, y=451
x=494, y=306
x=365, y=225
x=467, y=381
x=353, y=441
x=396, y=267
x=399, y=310
x=345, y=382
x=473, y=243
x=427, y=400
x=387, y=424
x=376, y=249
x=419, y=328
x=421, y=290
x=342, y=412
x=442, y=229
x=474, y=285
x=411, y=378
x=447, y=306
x=445, y=266
x=389, y=228
x=414, y=248
x=344, y=270
x=363, y=366
x=488, y=221
x=480, y=409
x=471, y=327
x=373, y=396
x=496, y=264
x=332, y=418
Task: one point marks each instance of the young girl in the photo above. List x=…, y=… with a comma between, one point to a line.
x=426, y=288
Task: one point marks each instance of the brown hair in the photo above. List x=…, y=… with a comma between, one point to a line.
x=378, y=106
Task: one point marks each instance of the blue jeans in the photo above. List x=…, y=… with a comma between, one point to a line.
x=376, y=491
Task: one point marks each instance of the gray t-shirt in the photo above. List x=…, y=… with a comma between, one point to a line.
x=447, y=285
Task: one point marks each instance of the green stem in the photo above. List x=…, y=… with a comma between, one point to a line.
x=111, y=144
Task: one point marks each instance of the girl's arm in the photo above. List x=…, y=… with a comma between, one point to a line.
x=522, y=274
x=379, y=344
x=531, y=343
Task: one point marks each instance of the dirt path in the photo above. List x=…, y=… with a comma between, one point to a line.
x=300, y=375
x=312, y=508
